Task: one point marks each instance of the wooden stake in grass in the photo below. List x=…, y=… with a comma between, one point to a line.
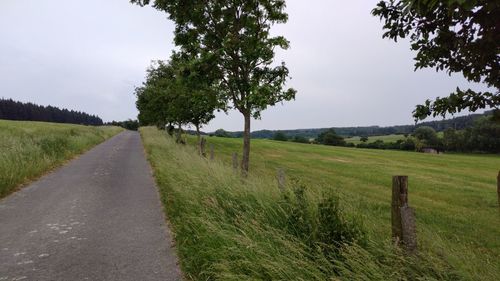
x=212, y=157
x=235, y=162
x=281, y=179
x=203, y=142
x=402, y=215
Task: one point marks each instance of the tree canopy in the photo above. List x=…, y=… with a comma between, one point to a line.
x=234, y=38
x=174, y=93
x=330, y=137
x=457, y=36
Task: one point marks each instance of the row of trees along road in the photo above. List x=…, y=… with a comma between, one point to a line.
x=231, y=40
x=177, y=92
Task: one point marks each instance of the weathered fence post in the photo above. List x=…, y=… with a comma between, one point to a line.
x=235, y=162
x=212, y=157
x=281, y=179
x=203, y=141
x=402, y=215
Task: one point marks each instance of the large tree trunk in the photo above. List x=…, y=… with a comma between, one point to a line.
x=246, y=145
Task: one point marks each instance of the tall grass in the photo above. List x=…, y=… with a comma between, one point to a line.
x=229, y=228
x=28, y=149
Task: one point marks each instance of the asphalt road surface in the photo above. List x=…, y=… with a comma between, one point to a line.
x=97, y=218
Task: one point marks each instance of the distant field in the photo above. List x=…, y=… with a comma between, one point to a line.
x=385, y=138
x=28, y=149
x=454, y=197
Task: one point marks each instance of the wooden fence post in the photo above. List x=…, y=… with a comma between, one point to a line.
x=203, y=141
x=235, y=162
x=212, y=157
x=281, y=179
x=402, y=215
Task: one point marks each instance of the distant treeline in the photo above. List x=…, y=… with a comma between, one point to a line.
x=127, y=124
x=14, y=110
x=457, y=123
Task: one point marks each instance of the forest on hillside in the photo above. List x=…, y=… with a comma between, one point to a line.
x=457, y=123
x=15, y=110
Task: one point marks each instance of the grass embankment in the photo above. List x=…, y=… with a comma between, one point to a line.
x=29, y=149
x=229, y=229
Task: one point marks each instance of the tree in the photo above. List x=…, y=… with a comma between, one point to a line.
x=485, y=136
x=222, y=133
x=200, y=99
x=450, y=139
x=234, y=37
x=427, y=135
x=330, y=137
x=280, y=136
x=407, y=144
x=363, y=139
x=451, y=35
x=176, y=92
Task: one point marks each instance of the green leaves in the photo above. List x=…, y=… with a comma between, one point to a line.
x=453, y=36
x=177, y=92
x=234, y=37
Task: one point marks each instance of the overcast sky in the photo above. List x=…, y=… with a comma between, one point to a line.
x=88, y=55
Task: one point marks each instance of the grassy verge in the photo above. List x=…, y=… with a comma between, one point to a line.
x=29, y=149
x=227, y=229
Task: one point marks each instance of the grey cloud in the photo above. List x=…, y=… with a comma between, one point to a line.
x=89, y=54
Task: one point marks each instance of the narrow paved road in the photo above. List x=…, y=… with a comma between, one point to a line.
x=97, y=218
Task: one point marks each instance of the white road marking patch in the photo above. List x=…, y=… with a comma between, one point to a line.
x=33, y=231
x=25, y=262
x=63, y=232
x=56, y=241
x=19, y=278
x=19, y=254
x=4, y=278
x=5, y=249
x=43, y=255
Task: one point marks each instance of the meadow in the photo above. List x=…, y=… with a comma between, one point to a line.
x=384, y=138
x=227, y=228
x=30, y=149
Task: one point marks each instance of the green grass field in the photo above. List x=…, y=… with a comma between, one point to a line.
x=385, y=138
x=29, y=149
x=225, y=228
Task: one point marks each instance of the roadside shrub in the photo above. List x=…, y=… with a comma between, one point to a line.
x=335, y=229
x=322, y=225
